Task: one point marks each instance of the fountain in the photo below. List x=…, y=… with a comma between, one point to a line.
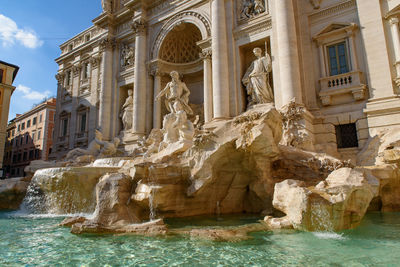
x=254, y=163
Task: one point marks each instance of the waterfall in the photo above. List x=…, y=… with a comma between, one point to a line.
x=321, y=217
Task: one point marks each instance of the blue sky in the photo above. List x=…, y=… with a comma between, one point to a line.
x=30, y=34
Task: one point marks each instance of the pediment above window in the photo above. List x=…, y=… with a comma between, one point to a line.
x=393, y=13
x=335, y=29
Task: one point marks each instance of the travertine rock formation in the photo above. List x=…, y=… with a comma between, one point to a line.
x=12, y=192
x=64, y=190
x=337, y=203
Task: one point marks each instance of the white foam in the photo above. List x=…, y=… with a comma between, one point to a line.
x=22, y=214
x=329, y=235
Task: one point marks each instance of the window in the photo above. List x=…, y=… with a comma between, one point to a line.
x=40, y=118
x=12, y=142
x=33, y=136
x=19, y=157
x=31, y=154
x=70, y=47
x=25, y=156
x=8, y=134
x=28, y=124
x=82, y=126
x=13, y=133
x=338, y=62
x=21, y=140
x=86, y=71
x=346, y=135
x=34, y=121
x=64, y=127
x=38, y=134
x=23, y=126
x=14, y=158
x=1, y=75
x=87, y=37
x=26, y=139
x=68, y=78
x=19, y=127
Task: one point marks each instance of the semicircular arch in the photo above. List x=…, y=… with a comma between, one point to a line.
x=193, y=17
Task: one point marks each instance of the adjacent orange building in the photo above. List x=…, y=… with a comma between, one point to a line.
x=30, y=137
x=7, y=76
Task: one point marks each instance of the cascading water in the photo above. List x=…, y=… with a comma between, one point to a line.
x=321, y=218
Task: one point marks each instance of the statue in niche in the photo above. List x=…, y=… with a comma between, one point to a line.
x=127, y=56
x=256, y=79
x=176, y=126
x=127, y=111
x=176, y=94
x=107, y=5
x=251, y=8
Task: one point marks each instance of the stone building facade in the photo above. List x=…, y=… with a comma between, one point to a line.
x=29, y=137
x=337, y=59
x=8, y=73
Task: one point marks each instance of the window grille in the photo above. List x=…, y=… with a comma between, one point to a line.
x=346, y=135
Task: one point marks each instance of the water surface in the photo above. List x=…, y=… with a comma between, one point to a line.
x=37, y=241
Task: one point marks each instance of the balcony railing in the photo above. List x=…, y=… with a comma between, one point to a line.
x=347, y=83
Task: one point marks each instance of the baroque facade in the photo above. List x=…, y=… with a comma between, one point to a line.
x=338, y=61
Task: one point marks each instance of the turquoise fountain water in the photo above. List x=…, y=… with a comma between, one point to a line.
x=37, y=241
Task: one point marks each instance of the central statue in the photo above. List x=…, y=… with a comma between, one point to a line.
x=176, y=94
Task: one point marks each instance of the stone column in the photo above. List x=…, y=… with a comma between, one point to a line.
x=208, y=91
x=394, y=27
x=140, y=80
x=106, y=46
x=157, y=104
x=353, y=51
x=76, y=71
x=379, y=75
x=220, y=78
x=289, y=70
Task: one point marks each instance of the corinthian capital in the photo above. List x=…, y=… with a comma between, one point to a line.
x=394, y=20
x=206, y=54
x=60, y=77
x=138, y=26
x=107, y=43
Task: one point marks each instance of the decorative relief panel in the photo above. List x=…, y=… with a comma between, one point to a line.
x=127, y=56
x=248, y=9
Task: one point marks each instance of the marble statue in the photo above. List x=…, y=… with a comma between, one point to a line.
x=96, y=148
x=127, y=111
x=256, y=79
x=107, y=5
x=127, y=56
x=176, y=94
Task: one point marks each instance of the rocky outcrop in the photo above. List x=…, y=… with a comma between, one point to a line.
x=12, y=192
x=337, y=203
x=64, y=190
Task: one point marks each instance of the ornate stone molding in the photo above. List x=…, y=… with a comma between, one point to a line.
x=107, y=43
x=248, y=9
x=206, y=54
x=138, y=26
x=253, y=29
x=60, y=77
x=95, y=61
x=76, y=69
x=333, y=9
x=316, y=3
x=393, y=20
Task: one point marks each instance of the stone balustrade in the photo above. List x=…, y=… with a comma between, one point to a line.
x=346, y=83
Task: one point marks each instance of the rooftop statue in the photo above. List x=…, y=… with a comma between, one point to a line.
x=256, y=79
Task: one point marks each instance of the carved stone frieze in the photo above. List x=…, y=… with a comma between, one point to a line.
x=253, y=29
x=323, y=13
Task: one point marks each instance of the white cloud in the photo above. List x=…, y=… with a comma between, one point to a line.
x=10, y=33
x=30, y=94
